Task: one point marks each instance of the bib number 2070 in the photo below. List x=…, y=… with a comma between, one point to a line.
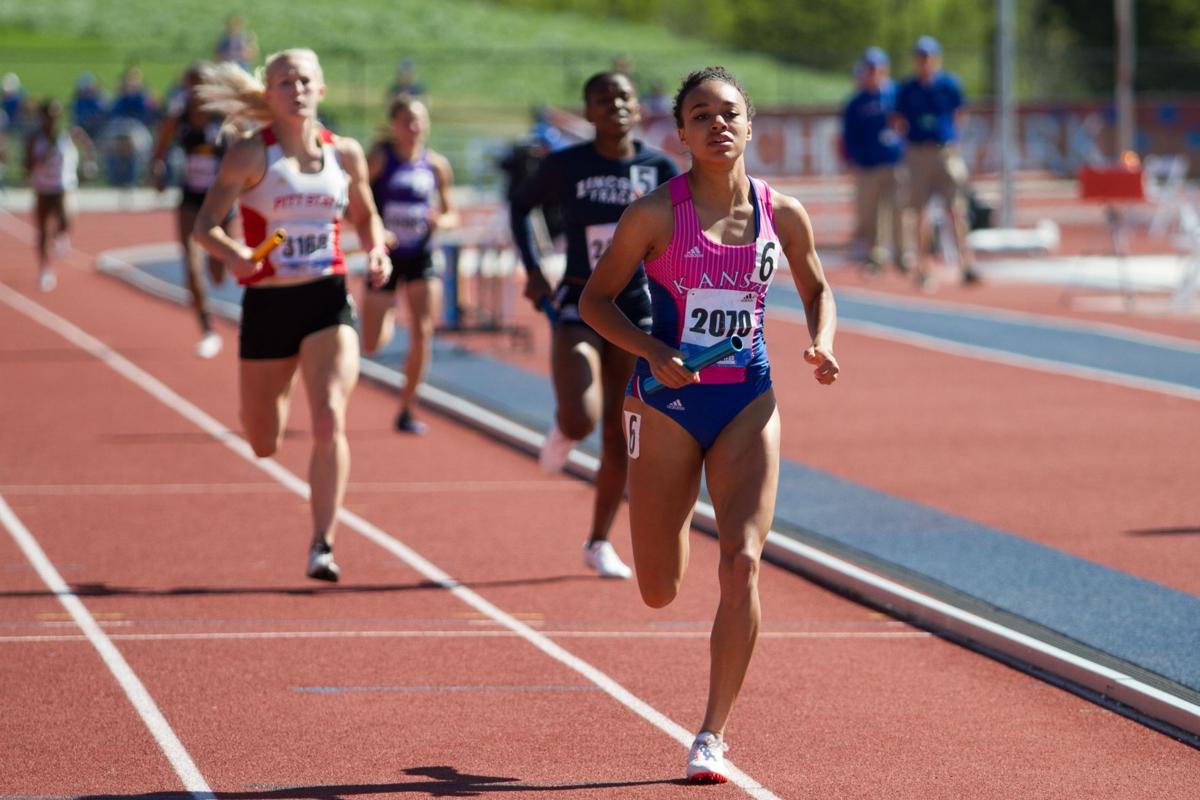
x=766, y=259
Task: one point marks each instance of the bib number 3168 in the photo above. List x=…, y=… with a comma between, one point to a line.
x=766, y=259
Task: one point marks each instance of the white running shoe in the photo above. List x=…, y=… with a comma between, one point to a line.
x=601, y=557
x=555, y=450
x=321, y=565
x=706, y=760
x=47, y=280
x=209, y=345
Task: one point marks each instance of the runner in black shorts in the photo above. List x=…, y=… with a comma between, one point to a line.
x=411, y=185
x=198, y=134
x=593, y=183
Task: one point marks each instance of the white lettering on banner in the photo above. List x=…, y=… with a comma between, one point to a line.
x=1060, y=139
x=599, y=237
x=713, y=315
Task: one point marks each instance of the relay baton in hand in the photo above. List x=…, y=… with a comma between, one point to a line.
x=705, y=358
x=264, y=249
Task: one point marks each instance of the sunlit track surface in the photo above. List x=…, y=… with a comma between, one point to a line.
x=981, y=726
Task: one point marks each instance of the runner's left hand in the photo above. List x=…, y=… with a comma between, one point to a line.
x=827, y=369
x=379, y=267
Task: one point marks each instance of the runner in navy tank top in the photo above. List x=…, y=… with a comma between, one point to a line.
x=411, y=185
x=593, y=183
x=198, y=134
x=710, y=241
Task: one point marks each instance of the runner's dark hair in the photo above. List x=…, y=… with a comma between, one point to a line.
x=593, y=83
x=716, y=73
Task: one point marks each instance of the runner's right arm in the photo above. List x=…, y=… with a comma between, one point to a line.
x=243, y=165
x=538, y=189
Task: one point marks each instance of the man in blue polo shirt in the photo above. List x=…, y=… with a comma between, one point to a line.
x=874, y=150
x=928, y=110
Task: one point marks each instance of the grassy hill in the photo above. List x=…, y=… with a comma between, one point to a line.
x=484, y=66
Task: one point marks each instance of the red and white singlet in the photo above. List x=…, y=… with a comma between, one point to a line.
x=309, y=206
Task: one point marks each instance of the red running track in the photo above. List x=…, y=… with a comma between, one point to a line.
x=190, y=559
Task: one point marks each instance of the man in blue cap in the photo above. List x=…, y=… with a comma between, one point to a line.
x=874, y=150
x=928, y=110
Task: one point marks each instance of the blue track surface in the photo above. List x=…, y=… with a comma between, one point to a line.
x=1073, y=345
x=1126, y=617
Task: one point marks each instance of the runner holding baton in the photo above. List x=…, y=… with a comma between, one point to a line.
x=705, y=358
x=263, y=250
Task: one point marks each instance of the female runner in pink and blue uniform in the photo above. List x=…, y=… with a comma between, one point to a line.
x=711, y=241
x=291, y=173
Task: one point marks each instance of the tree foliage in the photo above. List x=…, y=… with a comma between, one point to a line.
x=1065, y=46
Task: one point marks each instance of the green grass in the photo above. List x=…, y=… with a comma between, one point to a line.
x=484, y=66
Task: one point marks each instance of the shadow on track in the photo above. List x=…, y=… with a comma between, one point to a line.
x=444, y=781
x=108, y=590
x=1165, y=532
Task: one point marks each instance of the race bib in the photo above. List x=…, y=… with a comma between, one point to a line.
x=599, y=237
x=308, y=249
x=408, y=222
x=633, y=434
x=766, y=260
x=713, y=315
x=200, y=171
x=644, y=179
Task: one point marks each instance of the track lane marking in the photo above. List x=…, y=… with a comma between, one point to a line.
x=397, y=487
x=451, y=634
x=168, y=397
x=1051, y=366
x=128, y=680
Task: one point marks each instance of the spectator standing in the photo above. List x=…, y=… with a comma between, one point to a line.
x=406, y=83
x=89, y=107
x=874, y=151
x=13, y=104
x=237, y=45
x=929, y=110
x=133, y=100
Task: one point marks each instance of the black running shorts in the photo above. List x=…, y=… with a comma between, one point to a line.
x=275, y=319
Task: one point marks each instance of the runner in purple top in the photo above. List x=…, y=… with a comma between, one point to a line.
x=411, y=185
x=711, y=242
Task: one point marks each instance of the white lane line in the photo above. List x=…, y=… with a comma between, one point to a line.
x=1046, y=321
x=452, y=634
x=157, y=724
x=184, y=408
x=1051, y=366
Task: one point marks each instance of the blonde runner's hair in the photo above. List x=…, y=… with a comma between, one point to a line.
x=229, y=90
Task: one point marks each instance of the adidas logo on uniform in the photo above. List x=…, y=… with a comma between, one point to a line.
x=675, y=405
x=695, y=252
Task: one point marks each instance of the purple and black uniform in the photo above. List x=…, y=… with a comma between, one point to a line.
x=404, y=194
x=593, y=192
x=704, y=292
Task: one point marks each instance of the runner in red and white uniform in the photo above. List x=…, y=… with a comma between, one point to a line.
x=288, y=172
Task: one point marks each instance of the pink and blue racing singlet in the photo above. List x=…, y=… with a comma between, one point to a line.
x=704, y=291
